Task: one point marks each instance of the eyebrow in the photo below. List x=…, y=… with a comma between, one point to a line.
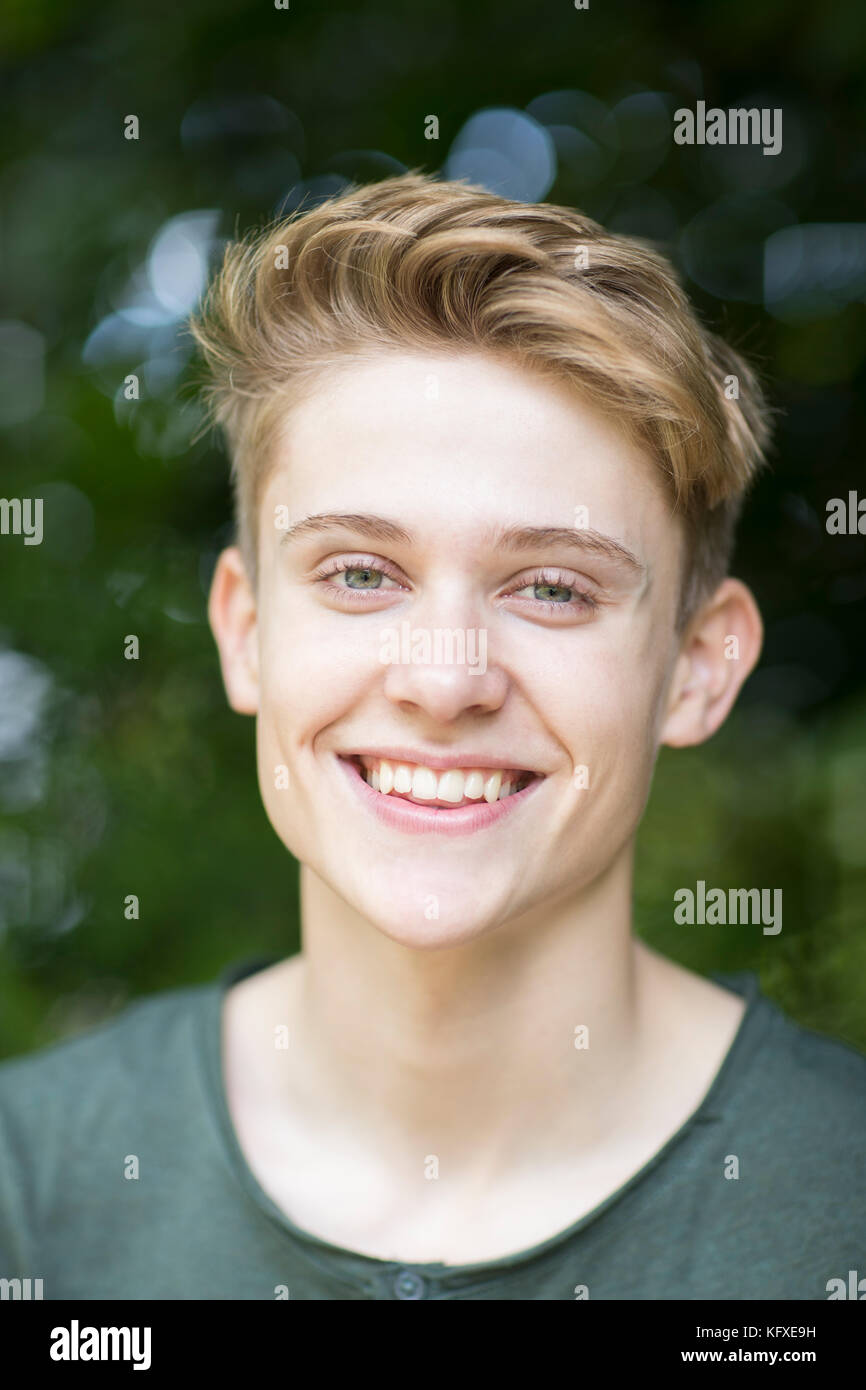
x=515, y=538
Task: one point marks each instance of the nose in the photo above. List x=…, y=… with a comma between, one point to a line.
x=442, y=672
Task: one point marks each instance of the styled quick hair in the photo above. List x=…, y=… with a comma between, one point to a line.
x=417, y=263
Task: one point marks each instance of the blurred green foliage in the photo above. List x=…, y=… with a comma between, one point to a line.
x=133, y=777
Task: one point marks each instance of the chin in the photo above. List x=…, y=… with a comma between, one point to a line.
x=426, y=920
x=429, y=936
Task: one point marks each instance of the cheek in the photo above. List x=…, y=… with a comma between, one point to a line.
x=311, y=670
x=603, y=697
x=305, y=684
x=601, y=705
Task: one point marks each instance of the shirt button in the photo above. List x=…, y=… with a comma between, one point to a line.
x=409, y=1285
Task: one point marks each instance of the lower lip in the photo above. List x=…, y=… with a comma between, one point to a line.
x=434, y=820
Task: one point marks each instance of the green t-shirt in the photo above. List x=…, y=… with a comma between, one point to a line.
x=787, y=1103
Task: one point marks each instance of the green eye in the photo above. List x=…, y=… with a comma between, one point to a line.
x=549, y=592
x=371, y=579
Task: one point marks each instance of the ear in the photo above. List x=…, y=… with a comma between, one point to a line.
x=232, y=615
x=719, y=648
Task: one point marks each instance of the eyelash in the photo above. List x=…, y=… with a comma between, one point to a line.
x=551, y=578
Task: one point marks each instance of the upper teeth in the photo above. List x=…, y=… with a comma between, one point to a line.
x=453, y=784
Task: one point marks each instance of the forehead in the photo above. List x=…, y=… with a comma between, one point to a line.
x=454, y=440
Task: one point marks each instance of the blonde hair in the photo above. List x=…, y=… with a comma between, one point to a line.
x=417, y=263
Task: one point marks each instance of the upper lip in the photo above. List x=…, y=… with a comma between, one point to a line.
x=454, y=758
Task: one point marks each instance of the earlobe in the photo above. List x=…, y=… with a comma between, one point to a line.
x=720, y=648
x=232, y=616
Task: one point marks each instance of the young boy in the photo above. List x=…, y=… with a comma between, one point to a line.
x=488, y=466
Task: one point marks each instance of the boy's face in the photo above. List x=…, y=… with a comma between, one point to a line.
x=558, y=657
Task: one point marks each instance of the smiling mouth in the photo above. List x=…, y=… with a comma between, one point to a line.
x=449, y=788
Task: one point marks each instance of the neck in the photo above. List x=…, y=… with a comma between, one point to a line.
x=471, y=1050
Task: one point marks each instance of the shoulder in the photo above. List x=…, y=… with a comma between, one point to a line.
x=776, y=1075
x=803, y=1064
x=70, y=1111
x=795, y=1099
x=73, y=1078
